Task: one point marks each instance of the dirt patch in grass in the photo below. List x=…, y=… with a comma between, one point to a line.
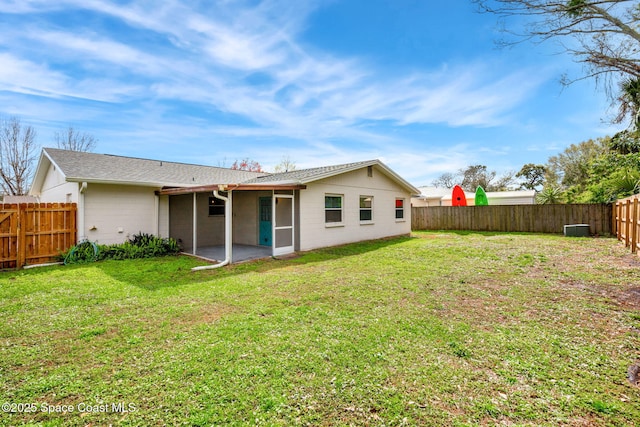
x=204, y=314
x=630, y=298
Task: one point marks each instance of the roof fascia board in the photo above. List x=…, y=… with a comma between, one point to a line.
x=41, y=170
x=229, y=187
x=413, y=190
x=115, y=182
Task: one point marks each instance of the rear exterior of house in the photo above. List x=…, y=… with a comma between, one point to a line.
x=281, y=213
x=371, y=206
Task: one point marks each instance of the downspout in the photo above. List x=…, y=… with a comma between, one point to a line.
x=81, y=216
x=228, y=240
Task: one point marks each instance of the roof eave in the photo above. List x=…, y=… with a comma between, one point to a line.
x=228, y=187
x=41, y=170
x=118, y=182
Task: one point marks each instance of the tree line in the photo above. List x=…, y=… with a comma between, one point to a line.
x=600, y=170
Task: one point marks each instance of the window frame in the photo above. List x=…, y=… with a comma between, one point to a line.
x=218, y=205
x=362, y=209
x=400, y=210
x=333, y=209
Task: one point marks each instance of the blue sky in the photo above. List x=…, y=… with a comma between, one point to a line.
x=417, y=84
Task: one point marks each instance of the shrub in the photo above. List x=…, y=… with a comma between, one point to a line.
x=84, y=251
x=140, y=245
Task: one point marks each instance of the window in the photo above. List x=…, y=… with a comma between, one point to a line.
x=332, y=209
x=366, y=208
x=399, y=208
x=216, y=207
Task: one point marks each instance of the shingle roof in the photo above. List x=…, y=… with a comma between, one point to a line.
x=105, y=168
x=80, y=166
x=303, y=176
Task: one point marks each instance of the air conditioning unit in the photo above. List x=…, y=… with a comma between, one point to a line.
x=576, y=230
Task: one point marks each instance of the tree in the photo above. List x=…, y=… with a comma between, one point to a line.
x=601, y=34
x=533, y=176
x=473, y=176
x=71, y=139
x=476, y=175
x=247, y=165
x=571, y=167
x=285, y=165
x=625, y=142
x=446, y=180
x=612, y=176
x=550, y=195
x=503, y=183
x=17, y=154
x=629, y=102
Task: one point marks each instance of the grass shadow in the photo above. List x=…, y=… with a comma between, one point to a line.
x=155, y=274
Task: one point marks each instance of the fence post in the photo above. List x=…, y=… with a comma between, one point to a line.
x=614, y=219
x=634, y=226
x=21, y=241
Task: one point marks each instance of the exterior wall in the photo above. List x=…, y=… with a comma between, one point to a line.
x=180, y=220
x=113, y=213
x=163, y=216
x=495, y=201
x=314, y=233
x=421, y=203
x=210, y=228
x=245, y=216
x=56, y=190
x=512, y=201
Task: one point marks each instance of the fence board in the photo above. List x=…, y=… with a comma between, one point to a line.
x=514, y=218
x=35, y=233
x=627, y=222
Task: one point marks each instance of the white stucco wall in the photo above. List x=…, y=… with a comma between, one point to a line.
x=113, y=213
x=315, y=233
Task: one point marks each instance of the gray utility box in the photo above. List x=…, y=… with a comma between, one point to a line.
x=576, y=230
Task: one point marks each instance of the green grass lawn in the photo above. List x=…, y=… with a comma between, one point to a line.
x=437, y=329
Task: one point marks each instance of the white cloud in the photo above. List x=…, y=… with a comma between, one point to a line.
x=207, y=59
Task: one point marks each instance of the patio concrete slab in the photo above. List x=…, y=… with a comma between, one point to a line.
x=239, y=252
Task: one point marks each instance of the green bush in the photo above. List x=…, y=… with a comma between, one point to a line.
x=84, y=251
x=140, y=245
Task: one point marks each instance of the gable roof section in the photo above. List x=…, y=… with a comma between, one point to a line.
x=108, y=169
x=306, y=176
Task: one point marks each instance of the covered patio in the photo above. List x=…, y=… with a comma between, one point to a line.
x=239, y=253
x=234, y=223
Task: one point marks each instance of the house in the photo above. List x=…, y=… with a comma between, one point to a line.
x=8, y=199
x=212, y=210
x=435, y=196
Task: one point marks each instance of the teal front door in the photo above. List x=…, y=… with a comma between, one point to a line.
x=265, y=221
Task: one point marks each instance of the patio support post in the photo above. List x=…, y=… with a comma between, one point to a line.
x=228, y=227
x=81, y=234
x=195, y=222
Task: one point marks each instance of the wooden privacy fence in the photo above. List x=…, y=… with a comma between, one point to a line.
x=513, y=218
x=627, y=222
x=35, y=233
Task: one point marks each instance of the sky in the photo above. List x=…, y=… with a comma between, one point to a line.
x=420, y=85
